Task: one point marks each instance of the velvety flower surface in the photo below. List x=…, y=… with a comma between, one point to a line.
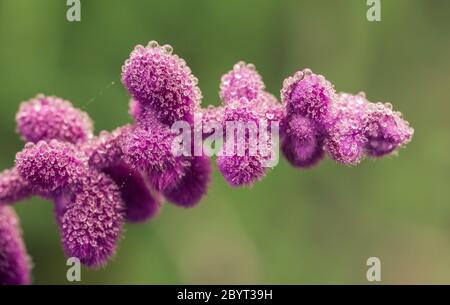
x=361, y=127
x=302, y=144
x=49, y=166
x=386, y=130
x=13, y=187
x=309, y=95
x=15, y=264
x=346, y=138
x=241, y=82
x=242, y=161
x=149, y=149
x=98, y=182
x=90, y=219
x=162, y=82
x=50, y=117
x=193, y=185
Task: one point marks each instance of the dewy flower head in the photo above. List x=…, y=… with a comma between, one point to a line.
x=246, y=106
x=49, y=166
x=346, y=139
x=88, y=203
x=386, y=130
x=309, y=95
x=361, y=127
x=58, y=169
x=163, y=92
x=162, y=82
x=15, y=264
x=241, y=82
x=50, y=117
x=13, y=187
x=90, y=219
x=98, y=182
x=149, y=149
x=302, y=144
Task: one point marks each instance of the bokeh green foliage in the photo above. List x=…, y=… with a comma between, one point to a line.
x=296, y=226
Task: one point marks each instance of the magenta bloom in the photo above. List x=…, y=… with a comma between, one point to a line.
x=346, y=139
x=13, y=187
x=49, y=166
x=361, y=127
x=149, y=149
x=386, y=130
x=241, y=82
x=302, y=144
x=15, y=264
x=162, y=82
x=240, y=162
x=163, y=91
x=98, y=182
x=246, y=105
x=308, y=95
x=90, y=219
x=141, y=201
x=50, y=117
x=193, y=185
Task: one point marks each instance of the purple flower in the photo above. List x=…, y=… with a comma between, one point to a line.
x=302, y=144
x=50, y=166
x=105, y=153
x=15, y=264
x=162, y=82
x=346, y=139
x=241, y=82
x=193, y=185
x=242, y=162
x=361, y=127
x=90, y=219
x=149, y=149
x=239, y=161
x=50, y=117
x=308, y=95
x=13, y=187
x=142, y=202
x=88, y=203
x=386, y=130
x=97, y=182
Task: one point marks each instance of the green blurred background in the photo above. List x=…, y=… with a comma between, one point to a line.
x=296, y=226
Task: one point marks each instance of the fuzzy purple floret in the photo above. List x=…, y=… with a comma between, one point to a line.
x=15, y=264
x=50, y=117
x=161, y=82
x=302, y=143
x=241, y=82
x=309, y=95
x=106, y=149
x=49, y=166
x=346, y=139
x=385, y=131
x=90, y=219
x=361, y=127
x=149, y=149
x=240, y=162
x=13, y=187
x=193, y=185
x=140, y=202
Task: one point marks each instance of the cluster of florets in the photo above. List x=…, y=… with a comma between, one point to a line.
x=347, y=127
x=99, y=182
